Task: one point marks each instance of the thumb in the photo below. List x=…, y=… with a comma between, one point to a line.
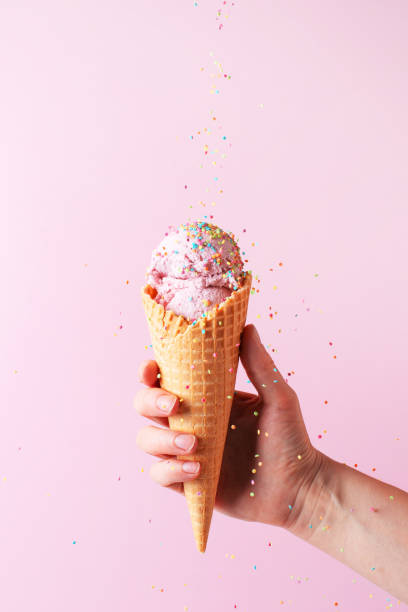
x=259, y=365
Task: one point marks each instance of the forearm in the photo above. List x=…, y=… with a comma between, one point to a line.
x=358, y=520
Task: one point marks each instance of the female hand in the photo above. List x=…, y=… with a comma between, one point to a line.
x=267, y=442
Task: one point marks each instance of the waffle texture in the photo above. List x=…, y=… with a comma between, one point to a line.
x=199, y=363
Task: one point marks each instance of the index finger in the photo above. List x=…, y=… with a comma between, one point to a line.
x=147, y=373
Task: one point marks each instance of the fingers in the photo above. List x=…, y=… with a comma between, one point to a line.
x=171, y=471
x=157, y=441
x=147, y=373
x=155, y=402
x=259, y=365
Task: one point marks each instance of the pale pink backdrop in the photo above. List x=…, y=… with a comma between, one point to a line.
x=101, y=107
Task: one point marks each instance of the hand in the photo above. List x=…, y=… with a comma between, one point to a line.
x=266, y=434
x=295, y=486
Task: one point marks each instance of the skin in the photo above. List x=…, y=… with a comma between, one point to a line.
x=357, y=519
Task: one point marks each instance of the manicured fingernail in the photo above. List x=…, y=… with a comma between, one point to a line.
x=165, y=403
x=191, y=467
x=184, y=441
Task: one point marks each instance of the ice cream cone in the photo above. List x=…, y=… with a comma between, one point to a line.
x=198, y=363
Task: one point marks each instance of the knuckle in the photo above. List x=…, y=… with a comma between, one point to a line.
x=139, y=438
x=142, y=367
x=153, y=472
x=159, y=472
x=291, y=396
x=139, y=401
x=286, y=398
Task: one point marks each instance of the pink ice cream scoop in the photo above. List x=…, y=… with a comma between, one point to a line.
x=195, y=267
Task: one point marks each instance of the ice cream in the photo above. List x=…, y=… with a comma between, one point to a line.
x=194, y=268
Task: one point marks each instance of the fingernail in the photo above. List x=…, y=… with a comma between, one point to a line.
x=191, y=467
x=165, y=403
x=184, y=441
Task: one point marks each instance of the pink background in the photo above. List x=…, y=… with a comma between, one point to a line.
x=101, y=105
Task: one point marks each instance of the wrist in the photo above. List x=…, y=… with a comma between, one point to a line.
x=313, y=497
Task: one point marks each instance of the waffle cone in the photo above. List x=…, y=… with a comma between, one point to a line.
x=199, y=363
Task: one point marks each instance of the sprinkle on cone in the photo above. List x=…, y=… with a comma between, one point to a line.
x=199, y=363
